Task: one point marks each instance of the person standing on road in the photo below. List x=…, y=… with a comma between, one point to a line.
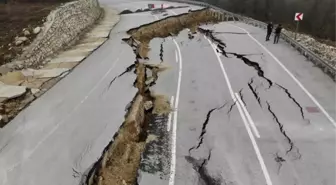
x=269, y=30
x=277, y=33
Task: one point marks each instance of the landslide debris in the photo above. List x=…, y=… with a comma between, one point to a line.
x=120, y=160
x=169, y=26
x=159, y=10
x=9, y=108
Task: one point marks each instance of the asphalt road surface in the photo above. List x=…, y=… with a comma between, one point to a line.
x=234, y=122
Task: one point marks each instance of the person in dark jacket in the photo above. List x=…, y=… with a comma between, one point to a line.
x=277, y=33
x=269, y=30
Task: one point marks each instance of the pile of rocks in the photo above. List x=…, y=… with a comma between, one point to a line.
x=326, y=52
x=26, y=34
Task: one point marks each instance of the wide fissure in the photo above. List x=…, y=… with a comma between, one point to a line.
x=121, y=159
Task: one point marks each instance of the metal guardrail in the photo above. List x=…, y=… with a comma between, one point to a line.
x=318, y=61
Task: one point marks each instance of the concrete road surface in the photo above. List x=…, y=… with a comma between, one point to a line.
x=266, y=117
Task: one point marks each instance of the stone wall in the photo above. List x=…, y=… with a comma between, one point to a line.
x=62, y=27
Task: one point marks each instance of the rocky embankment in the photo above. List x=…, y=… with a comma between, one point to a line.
x=70, y=34
x=326, y=52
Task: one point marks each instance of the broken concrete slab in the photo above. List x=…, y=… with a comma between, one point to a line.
x=12, y=78
x=99, y=34
x=52, y=70
x=87, y=48
x=102, y=30
x=74, y=52
x=11, y=91
x=90, y=40
x=34, y=91
x=109, y=22
x=95, y=43
x=68, y=65
x=103, y=26
x=34, y=83
x=68, y=59
x=45, y=73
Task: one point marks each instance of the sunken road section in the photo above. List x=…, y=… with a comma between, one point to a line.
x=170, y=26
x=120, y=160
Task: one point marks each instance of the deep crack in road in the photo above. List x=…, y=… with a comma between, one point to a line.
x=161, y=51
x=204, y=127
x=242, y=96
x=293, y=99
x=254, y=92
x=283, y=132
x=205, y=177
x=128, y=69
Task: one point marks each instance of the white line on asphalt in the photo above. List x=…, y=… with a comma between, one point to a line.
x=292, y=76
x=29, y=153
x=173, y=148
x=176, y=56
x=248, y=116
x=255, y=146
x=170, y=114
x=254, y=143
x=173, y=12
x=223, y=69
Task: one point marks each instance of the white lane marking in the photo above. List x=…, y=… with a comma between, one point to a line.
x=29, y=153
x=248, y=116
x=173, y=12
x=176, y=56
x=223, y=69
x=255, y=146
x=292, y=76
x=173, y=160
x=170, y=114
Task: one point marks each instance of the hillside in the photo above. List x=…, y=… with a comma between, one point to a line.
x=319, y=15
x=17, y=15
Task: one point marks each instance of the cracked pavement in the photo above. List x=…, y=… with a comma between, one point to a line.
x=62, y=134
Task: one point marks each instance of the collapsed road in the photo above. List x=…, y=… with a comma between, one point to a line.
x=176, y=100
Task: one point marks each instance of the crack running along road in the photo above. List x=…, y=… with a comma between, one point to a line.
x=208, y=72
x=80, y=149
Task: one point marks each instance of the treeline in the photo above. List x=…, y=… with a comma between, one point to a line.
x=319, y=15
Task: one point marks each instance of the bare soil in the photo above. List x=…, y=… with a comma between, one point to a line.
x=170, y=26
x=17, y=15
